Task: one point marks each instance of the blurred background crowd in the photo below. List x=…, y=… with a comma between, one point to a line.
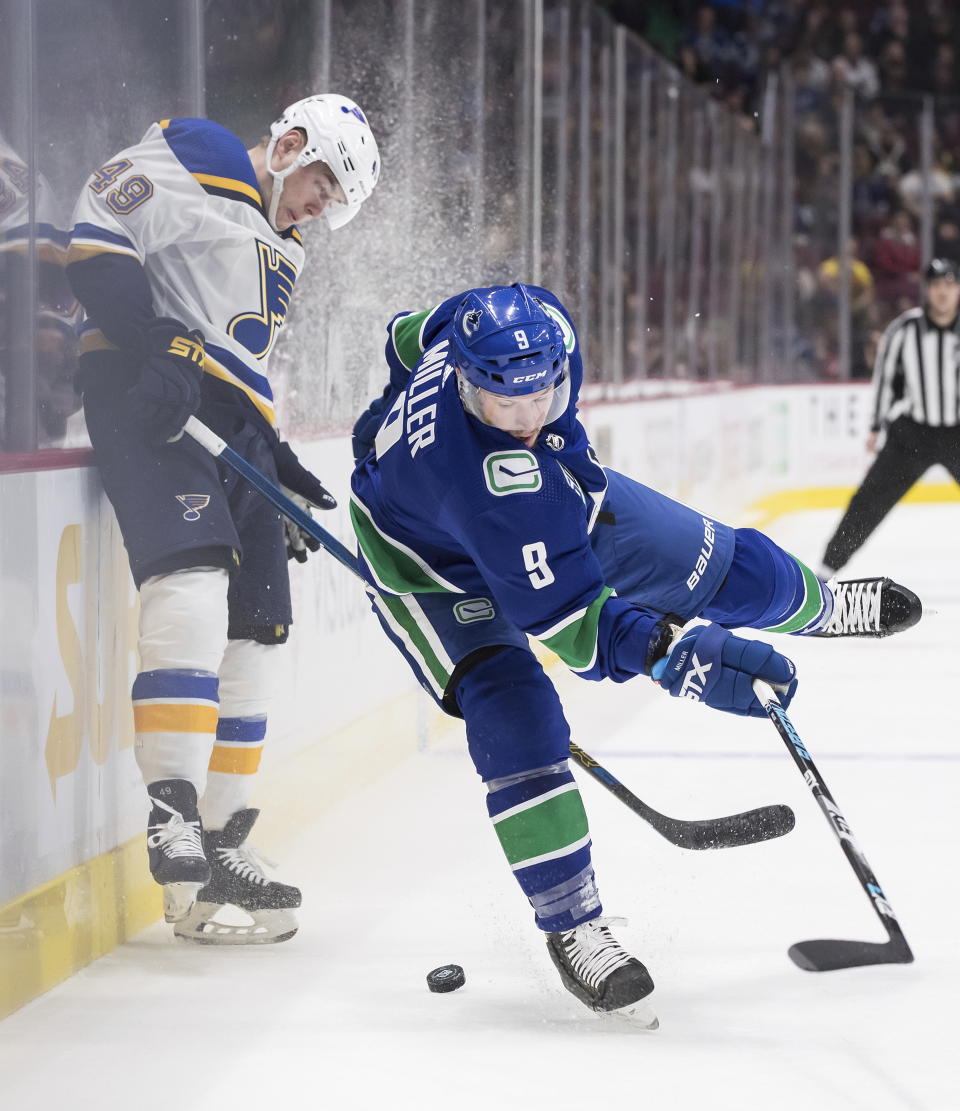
x=898, y=59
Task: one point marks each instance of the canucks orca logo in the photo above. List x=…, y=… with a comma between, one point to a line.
x=257, y=331
x=471, y=322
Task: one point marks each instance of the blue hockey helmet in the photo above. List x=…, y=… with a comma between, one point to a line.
x=504, y=341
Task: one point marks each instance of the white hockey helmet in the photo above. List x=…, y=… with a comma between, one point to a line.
x=337, y=134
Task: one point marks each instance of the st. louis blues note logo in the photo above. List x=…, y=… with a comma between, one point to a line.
x=193, y=503
x=258, y=329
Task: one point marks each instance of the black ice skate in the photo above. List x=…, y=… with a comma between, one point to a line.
x=871, y=608
x=174, y=845
x=238, y=881
x=601, y=973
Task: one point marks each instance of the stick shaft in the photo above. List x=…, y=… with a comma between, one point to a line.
x=259, y=481
x=841, y=828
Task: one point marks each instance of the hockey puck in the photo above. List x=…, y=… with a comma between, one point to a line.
x=448, y=977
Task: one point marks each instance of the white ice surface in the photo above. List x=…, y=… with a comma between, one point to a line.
x=407, y=876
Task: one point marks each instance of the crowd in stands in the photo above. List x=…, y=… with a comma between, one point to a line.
x=895, y=56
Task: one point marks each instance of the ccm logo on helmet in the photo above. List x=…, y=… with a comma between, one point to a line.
x=531, y=377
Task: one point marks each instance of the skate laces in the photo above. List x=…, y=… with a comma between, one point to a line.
x=594, y=953
x=175, y=836
x=857, y=606
x=246, y=863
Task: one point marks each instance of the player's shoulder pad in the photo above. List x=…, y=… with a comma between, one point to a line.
x=215, y=157
x=409, y=334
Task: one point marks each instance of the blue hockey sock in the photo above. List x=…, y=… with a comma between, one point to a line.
x=542, y=826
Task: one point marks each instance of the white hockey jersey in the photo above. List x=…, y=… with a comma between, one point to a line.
x=184, y=203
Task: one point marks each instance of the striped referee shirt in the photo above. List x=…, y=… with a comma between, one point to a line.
x=917, y=373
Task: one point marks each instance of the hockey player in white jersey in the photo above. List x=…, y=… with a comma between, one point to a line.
x=184, y=252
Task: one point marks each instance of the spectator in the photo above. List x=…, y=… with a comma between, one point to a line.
x=913, y=184
x=893, y=68
x=874, y=198
x=896, y=261
x=711, y=45
x=826, y=306
x=811, y=76
x=946, y=242
x=855, y=70
x=943, y=77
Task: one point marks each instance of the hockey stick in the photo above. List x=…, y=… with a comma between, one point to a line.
x=828, y=954
x=738, y=829
x=747, y=828
x=208, y=439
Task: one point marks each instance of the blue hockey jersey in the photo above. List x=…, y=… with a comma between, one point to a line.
x=445, y=503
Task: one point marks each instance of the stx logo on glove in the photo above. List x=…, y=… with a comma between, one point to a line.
x=695, y=679
x=186, y=348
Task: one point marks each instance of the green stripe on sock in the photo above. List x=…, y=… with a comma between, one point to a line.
x=546, y=827
x=576, y=643
x=809, y=607
x=406, y=338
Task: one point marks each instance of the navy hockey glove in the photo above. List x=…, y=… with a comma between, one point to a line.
x=368, y=423
x=708, y=664
x=307, y=491
x=168, y=389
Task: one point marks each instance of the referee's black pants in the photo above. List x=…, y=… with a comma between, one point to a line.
x=910, y=450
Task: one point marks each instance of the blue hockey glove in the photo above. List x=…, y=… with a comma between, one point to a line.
x=368, y=423
x=307, y=491
x=168, y=389
x=708, y=664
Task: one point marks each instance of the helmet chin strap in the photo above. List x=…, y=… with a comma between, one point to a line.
x=277, y=191
x=278, y=177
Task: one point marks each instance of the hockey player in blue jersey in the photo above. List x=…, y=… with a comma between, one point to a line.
x=484, y=516
x=184, y=253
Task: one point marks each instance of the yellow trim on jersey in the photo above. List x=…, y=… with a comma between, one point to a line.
x=210, y=366
x=46, y=250
x=230, y=183
x=295, y=234
x=79, y=251
x=163, y=125
x=95, y=340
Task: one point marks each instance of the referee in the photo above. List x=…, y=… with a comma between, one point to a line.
x=916, y=383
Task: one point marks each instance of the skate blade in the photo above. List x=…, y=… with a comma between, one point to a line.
x=639, y=1016
x=205, y=925
x=178, y=898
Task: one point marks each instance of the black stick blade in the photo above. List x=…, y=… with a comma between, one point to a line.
x=828, y=955
x=763, y=824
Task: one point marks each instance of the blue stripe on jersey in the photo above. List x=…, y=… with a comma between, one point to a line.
x=91, y=231
x=21, y=233
x=205, y=147
x=176, y=683
x=242, y=730
x=237, y=366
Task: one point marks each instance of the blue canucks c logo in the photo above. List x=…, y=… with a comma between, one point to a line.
x=257, y=331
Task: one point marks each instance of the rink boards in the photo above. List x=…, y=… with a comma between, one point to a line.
x=73, y=877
